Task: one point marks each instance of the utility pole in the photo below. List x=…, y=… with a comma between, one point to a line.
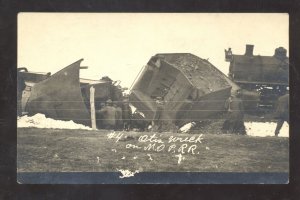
x=92, y=105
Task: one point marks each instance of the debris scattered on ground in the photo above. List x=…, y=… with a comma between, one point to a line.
x=41, y=121
x=261, y=129
x=187, y=127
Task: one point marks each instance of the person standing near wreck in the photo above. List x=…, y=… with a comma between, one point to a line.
x=227, y=125
x=119, y=121
x=282, y=112
x=108, y=115
x=126, y=114
x=99, y=116
x=235, y=119
x=238, y=114
x=157, y=121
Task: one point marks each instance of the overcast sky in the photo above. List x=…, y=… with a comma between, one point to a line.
x=119, y=45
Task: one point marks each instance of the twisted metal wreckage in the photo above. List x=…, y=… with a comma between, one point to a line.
x=192, y=88
x=64, y=95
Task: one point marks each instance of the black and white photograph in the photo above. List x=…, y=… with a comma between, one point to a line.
x=179, y=98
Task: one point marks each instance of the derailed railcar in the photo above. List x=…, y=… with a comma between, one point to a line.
x=26, y=80
x=65, y=96
x=192, y=88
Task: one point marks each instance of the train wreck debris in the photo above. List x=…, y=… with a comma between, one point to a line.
x=64, y=95
x=172, y=90
x=192, y=89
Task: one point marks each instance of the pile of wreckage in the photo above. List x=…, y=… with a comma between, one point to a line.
x=191, y=87
x=192, y=90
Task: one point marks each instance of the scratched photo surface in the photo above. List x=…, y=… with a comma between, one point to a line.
x=171, y=92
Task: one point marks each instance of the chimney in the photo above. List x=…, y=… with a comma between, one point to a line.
x=249, y=50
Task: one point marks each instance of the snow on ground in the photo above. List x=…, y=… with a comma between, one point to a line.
x=260, y=129
x=41, y=121
x=185, y=128
x=263, y=129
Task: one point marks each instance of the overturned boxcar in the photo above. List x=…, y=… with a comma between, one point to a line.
x=64, y=95
x=191, y=87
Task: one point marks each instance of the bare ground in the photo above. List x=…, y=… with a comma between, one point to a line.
x=52, y=150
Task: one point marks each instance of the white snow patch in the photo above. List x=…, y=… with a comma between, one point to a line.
x=41, y=121
x=127, y=173
x=263, y=129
